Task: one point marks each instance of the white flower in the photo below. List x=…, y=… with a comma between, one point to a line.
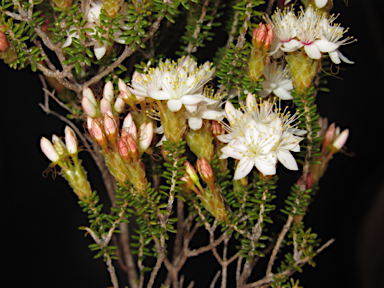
x=203, y=111
x=182, y=84
x=333, y=33
x=251, y=133
x=284, y=31
x=277, y=81
x=254, y=149
x=309, y=33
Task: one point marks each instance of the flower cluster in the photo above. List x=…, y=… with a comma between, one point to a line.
x=311, y=30
x=65, y=156
x=260, y=136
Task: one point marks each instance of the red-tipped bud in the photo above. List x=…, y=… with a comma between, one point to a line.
x=99, y=136
x=110, y=127
x=262, y=37
x=49, y=150
x=3, y=42
x=328, y=136
x=217, y=129
x=123, y=149
x=205, y=170
x=70, y=140
x=131, y=146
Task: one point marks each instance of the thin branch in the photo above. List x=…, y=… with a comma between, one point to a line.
x=278, y=244
x=215, y=279
x=269, y=279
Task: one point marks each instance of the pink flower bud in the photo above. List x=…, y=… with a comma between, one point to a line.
x=189, y=184
x=119, y=104
x=341, y=140
x=105, y=106
x=217, y=129
x=262, y=37
x=328, y=136
x=48, y=149
x=205, y=170
x=110, y=127
x=88, y=107
x=146, y=136
x=70, y=140
x=108, y=91
x=98, y=134
x=124, y=93
x=87, y=92
x=130, y=145
x=123, y=149
x=130, y=126
x=3, y=42
x=269, y=37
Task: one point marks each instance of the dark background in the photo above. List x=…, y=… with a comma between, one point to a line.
x=41, y=244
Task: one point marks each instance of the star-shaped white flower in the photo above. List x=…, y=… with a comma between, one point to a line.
x=277, y=81
x=253, y=150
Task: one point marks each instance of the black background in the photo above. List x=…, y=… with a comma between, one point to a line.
x=42, y=246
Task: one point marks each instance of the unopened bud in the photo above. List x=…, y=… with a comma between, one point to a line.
x=191, y=172
x=48, y=149
x=341, y=140
x=110, y=127
x=328, y=136
x=146, y=136
x=87, y=92
x=130, y=126
x=205, y=170
x=70, y=140
x=3, y=42
x=108, y=91
x=105, y=106
x=99, y=136
x=119, y=105
x=58, y=144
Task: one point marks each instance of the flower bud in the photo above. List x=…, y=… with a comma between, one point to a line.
x=3, y=42
x=146, y=136
x=110, y=127
x=48, y=149
x=99, y=136
x=340, y=140
x=328, y=136
x=105, y=106
x=191, y=172
x=70, y=140
x=58, y=144
x=87, y=92
x=108, y=91
x=130, y=126
x=119, y=104
x=205, y=170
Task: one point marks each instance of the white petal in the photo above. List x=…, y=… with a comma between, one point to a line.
x=325, y=46
x=344, y=59
x=195, y=123
x=243, y=168
x=251, y=101
x=232, y=151
x=312, y=51
x=282, y=94
x=174, y=105
x=192, y=99
x=225, y=138
x=231, y=112
x=161, y=141
x=100, y=51
x=212, y=115
x=286, y=84
x=159, y=130
x=191, y=108
x=321, y=3
x=286, y=158
x=334, y=57
x=160, y=95
x=291, y=46
x=266, y=164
